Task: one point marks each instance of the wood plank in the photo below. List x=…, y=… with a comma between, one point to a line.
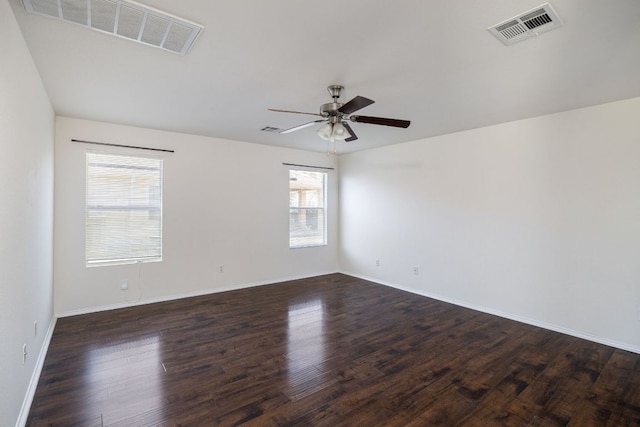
x=331, y=350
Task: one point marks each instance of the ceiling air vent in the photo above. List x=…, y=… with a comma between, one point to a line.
x=529, y=24
x=121, y=18
x=271, y=129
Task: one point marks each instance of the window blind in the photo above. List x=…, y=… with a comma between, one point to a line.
x=307, y=208
x=123, y=209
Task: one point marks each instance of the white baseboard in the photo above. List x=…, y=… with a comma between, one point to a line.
x=35, y=376
x=510, y=316
x=174, y=297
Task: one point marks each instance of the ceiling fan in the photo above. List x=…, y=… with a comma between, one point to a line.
x=337, y=116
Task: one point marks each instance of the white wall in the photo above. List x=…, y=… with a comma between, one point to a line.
x=26, y=218
x=225, y=203
x=537, y=220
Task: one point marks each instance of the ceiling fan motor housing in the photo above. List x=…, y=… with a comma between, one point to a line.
x=331, y=108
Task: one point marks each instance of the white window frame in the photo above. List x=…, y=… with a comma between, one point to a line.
x=129, y=246
x=296, y=242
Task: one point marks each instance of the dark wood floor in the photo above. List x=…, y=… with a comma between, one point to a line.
x=329, y=351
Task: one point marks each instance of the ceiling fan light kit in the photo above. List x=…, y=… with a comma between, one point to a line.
x=333, y=131
x=336, y=115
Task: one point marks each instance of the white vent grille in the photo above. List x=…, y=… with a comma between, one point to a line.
x=271, y=129
x=121, y=18
x=529, y=24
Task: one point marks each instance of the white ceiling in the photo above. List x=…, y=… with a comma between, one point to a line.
x=431, y=62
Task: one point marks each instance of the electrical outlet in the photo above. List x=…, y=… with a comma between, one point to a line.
x=377, y=263
x=221, y=269
x=24, y=354
x=35, y=328
x=415, y=271
x=124, y=284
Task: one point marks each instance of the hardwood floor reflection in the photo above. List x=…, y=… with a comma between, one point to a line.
x=332, y=351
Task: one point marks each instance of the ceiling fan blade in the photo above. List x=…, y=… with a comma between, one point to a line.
x=381, y=121
x=306, y=125
x=352, y=134
x=295, y=112
x=355, y=104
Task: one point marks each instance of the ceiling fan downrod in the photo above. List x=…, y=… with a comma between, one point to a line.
x=332, y=108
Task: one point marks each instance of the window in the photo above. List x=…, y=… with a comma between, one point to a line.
x=123, y=221
x=307, y=208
